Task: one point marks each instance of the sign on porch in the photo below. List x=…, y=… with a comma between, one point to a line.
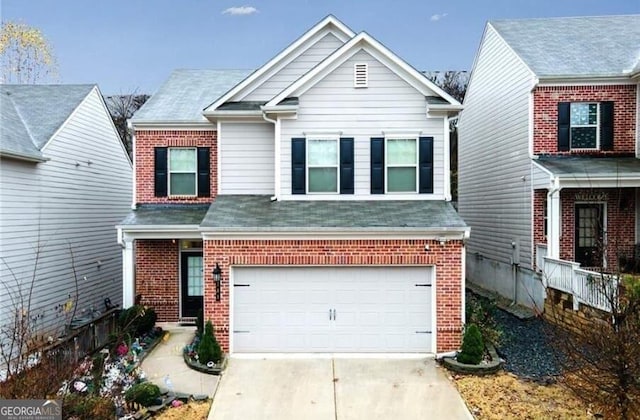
x=591, y=196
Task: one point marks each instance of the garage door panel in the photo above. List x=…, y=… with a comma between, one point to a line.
x=291, y=309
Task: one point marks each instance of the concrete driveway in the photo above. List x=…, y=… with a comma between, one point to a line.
x=336, y=389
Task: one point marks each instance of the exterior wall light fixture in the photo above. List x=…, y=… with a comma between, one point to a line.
x=217, y=279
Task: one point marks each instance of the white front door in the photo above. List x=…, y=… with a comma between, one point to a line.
x=332, y=309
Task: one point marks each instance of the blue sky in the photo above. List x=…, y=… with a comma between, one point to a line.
x=132, y=45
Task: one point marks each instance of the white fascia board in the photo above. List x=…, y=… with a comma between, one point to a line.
x=437, y=234
x=378, y=51
x=278, y=109
x=371, y=197
x=326, y=22
x=173, y=125
x=614, y=181
x=21, y=156
x=213, y=115
x=579, y=80
x=133, y=232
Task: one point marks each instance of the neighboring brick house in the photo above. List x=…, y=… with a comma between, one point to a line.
x=554, y=104
x=316, y=186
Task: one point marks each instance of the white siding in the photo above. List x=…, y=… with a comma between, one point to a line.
x=389, y=103
x=494, y=198
x=71, y=202
x=247, y=158
x=295, y=69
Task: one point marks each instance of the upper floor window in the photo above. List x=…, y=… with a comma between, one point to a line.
x=183, y=165
x=585, y=126
x=402, y=165
x=182, y=172
x=322, y=164
x=323, y=157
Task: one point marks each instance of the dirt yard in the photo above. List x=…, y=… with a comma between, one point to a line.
x=504, y=396
x=191, y=411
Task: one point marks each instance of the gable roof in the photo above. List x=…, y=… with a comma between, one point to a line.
x=31, y=114
x=597, y=46
x=363, y=41
x=182, y=97
x=328, y=22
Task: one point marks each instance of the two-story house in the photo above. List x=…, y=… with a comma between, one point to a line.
x=548, y=147
x=65, y=181
x=304, y=205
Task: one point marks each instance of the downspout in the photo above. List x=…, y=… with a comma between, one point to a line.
x=276, y=169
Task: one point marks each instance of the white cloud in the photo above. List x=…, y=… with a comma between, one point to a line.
x=437, y=17
x=240, y=11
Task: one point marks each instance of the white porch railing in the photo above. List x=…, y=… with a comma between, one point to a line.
x=541, y=252
x=587, y=287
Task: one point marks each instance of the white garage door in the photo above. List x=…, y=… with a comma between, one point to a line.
x=340, y=309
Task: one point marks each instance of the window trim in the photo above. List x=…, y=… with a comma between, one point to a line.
x=596, y=126
x=309, y=166
x=170, y=172
x=416, y=165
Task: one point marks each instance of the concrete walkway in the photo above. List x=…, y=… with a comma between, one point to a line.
x=165, y=367
x=336, y=389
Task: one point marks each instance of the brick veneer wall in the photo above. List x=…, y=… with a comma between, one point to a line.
x=620, y=216
x=157, y=276
x=147, y=140
x=620, y=221
x=545, y=120
x=447, y=258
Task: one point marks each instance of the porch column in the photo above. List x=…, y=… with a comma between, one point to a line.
x=553, y=223
x=128, y=283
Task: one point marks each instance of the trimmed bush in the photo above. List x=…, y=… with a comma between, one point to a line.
x=472, y=346
x=209, y=349
x=137, y=320
x=481, y=311
x=143, y=393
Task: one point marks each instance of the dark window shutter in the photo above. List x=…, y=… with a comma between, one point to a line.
x=204, y=171
x=425, y=165
x=298, y=166
x=564, y=126
x=377, y=165
x=160, y=171
x=606, y=125
x=346, y=166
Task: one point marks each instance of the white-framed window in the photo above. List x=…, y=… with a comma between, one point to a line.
x=183, y=167
x=323, y=162
x=585, y=123
x=401, y=165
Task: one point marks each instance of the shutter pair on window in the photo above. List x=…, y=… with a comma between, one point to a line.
x=564, y=126
x=425, y=165
x=298, y=165
x=161, y=176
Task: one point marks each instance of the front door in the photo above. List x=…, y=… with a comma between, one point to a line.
x=192, y=283
x=589, y=244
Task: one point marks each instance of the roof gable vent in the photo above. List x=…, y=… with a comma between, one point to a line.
x=360, y=75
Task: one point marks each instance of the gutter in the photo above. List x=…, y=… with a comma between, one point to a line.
x=25, y=157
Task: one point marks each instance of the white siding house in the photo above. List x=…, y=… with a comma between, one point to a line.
x=65, y=181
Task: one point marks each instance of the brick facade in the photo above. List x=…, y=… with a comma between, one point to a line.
x=620, y=221
x=545, y=111
x=558, y=310
x=158, y=277
x=447, y=258
x=147, y=140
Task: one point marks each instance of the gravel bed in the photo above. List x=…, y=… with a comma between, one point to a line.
x=524, y=347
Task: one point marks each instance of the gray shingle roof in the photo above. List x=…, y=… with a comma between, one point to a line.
x=31, y=114
x=575, y=46
x=186, y=93
x=166, y=215
x=255, y=213
x=586, y=167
